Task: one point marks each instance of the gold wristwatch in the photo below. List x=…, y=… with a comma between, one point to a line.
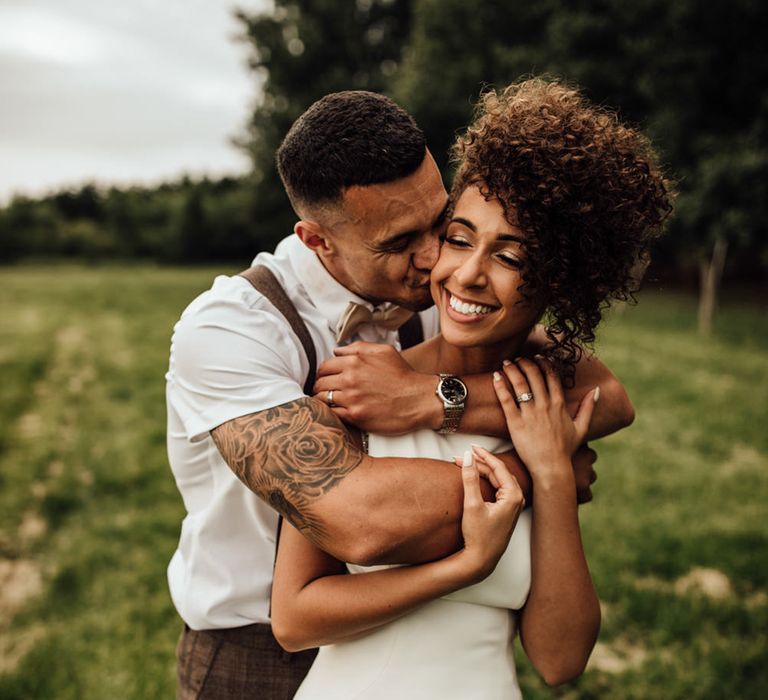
x=453, y=393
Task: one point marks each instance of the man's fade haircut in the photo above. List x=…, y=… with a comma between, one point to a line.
x=345, y=139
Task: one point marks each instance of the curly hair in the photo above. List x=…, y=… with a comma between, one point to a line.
x=344, y=139
x=587, y=191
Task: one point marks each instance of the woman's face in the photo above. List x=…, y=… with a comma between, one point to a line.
x=475, y=282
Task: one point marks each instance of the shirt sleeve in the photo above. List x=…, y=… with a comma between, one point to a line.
x=230, y=359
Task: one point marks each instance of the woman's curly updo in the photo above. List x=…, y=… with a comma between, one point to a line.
x=587, y=191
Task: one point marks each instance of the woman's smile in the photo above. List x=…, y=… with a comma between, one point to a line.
x=477, y=279
x=465, y=310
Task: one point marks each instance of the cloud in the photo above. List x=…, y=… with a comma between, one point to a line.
x=38, y=33
x=135, y=90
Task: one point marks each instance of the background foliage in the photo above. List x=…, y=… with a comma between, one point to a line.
x=692, y=74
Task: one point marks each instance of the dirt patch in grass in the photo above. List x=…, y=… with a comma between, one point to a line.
x=32, y=527
x=14, y=647
x=39, y=489
x=616, y=657
x=20, y=581
x=30, y=426
x=743, y=459
x=708, y=582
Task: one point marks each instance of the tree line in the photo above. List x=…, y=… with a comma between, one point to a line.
x=693, y=75
x=189, y=221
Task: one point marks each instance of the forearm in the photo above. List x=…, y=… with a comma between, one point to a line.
x=299, y=459
x=561, y=618
x=333, y=608
x=614, y=411
x=483, y=415
x=393, y=510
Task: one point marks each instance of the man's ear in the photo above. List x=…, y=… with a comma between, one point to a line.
x=314, y=236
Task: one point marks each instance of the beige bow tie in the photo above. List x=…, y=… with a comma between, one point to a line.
x=387, y=316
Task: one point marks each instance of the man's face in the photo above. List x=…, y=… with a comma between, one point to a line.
x=387, y=240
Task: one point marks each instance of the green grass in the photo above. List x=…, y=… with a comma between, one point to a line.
x=89, y=514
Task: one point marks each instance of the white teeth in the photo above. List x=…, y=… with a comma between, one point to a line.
x=467, y=309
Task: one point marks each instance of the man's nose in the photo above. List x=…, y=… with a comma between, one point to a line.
x=426, y=255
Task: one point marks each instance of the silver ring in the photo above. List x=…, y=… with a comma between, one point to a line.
x=329, y=398
x=523, y=398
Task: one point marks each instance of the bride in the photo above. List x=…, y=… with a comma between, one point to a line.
x=555, y=202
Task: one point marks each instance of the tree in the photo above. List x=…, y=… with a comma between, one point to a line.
x=692, y=74
x=194, y=228
x=301, y=51
x=455, y=50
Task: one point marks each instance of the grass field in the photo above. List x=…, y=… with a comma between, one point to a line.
x=89, y=514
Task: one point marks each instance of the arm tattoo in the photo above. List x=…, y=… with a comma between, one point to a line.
x=290, y=456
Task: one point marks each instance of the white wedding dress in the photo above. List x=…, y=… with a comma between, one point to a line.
x=455, y=648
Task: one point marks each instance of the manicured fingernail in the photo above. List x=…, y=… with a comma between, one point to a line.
x=506, y=362
x=596, y=394
x=497, y=376
x=469, y=459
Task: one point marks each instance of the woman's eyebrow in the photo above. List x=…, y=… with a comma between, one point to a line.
x=501, y=237
x=465, y=222
x=509, y=237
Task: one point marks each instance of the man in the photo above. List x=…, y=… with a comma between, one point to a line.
x=243, y=438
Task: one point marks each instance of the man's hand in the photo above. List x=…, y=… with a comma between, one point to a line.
x=375, y=389
x=583, y=460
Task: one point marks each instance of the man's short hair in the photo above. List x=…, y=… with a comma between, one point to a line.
x=345, y=139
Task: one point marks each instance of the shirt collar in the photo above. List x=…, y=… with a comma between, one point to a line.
x=327, y=294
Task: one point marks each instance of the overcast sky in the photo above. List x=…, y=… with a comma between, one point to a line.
x=125, y=91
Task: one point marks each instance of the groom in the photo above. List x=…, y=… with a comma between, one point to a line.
x=244, y=439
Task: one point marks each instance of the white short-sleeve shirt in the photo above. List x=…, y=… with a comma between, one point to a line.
x=233, y=353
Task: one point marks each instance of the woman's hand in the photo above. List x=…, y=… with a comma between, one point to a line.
x=543, y=433
x=487, y=527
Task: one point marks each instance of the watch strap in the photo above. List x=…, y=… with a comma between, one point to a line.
x=452, y=412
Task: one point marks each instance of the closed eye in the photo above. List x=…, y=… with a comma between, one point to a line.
x=397, y=244
x=511, y=261
x=398, y=247
x=458, y=242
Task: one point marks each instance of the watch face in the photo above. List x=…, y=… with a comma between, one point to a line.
x=452, y=390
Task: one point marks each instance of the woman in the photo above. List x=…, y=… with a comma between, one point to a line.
x=555, y=203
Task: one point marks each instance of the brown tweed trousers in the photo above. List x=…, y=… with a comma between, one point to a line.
x=230, y=664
